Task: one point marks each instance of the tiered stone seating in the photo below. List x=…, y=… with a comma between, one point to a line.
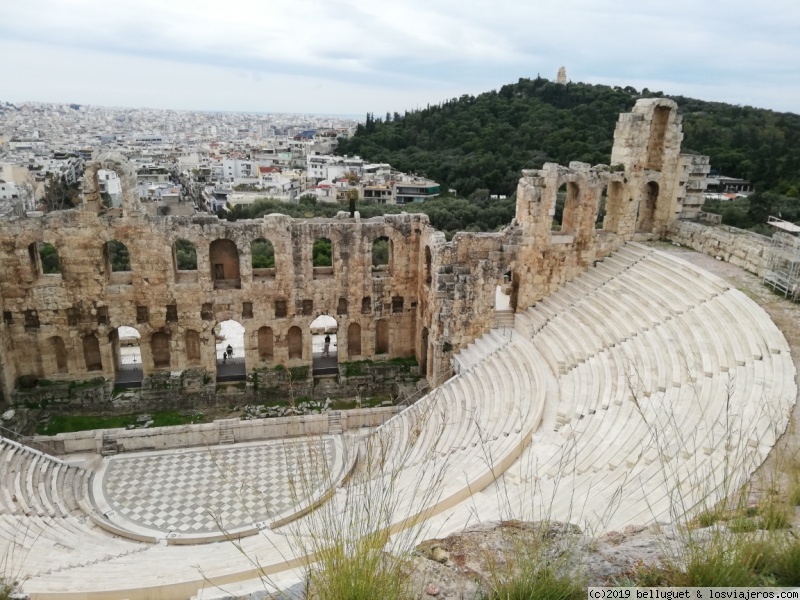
x=628, y=382
x=42, y=528
x=689, y=361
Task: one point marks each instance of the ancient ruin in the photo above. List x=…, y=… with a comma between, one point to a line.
x=578, y=376
x=433, y=298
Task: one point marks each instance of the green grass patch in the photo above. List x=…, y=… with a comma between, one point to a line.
x=69, y=423
x=404, y=361
x=355, y=368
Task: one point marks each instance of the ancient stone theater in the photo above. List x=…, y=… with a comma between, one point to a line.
x=577, y=372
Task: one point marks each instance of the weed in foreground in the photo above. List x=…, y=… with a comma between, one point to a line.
x=539, y=561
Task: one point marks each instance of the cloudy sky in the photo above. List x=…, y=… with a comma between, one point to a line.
x=353, y=56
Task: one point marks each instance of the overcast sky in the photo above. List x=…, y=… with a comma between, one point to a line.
x=353, y=56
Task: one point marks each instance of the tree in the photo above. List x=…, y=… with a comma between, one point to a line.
x=26, y=190
x=60, y=195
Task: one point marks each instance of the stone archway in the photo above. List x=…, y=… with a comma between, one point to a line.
x=230, y=351
x=645, y=219
x=324, y=346
x=126, y=343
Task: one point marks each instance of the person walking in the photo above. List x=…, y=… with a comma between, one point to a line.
x=229, y=349
x=327, y=345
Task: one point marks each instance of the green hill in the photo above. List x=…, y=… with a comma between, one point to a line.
x=482, y=142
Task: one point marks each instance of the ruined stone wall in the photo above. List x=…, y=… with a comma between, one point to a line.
x=745, y=249
x=434, y=298
x=89, y=301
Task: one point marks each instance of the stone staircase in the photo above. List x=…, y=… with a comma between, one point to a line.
x=504, y=318
x=226, y=431
x=109, y=447
x=335, y=423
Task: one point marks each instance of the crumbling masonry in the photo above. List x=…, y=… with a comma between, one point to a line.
x=434, y=298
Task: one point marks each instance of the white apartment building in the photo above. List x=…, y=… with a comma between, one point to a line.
x=110, y=184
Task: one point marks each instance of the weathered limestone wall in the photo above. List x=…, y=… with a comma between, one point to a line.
x=434, y=298
x=89, y=301
x=744, y=249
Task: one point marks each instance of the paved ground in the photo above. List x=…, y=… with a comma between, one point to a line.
x=203, y=490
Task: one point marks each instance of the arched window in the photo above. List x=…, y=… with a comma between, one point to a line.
x=295, y=339
x=265, y=343
x=118, y=256
x=322, y=252
x=341, y=307
x=91, y=353
x=614, y=213
x=117, y=262
x=566, y=209
x=658, y=134
x=224, y=258
x=647, y=208
x=382, y=256
x=184, y=256
x=322, y=258
x=382, y=337
x=262, y=254
x=354, y=339
x=59, y=353
x=192, y=342
x=44, y=259
x=159, y=348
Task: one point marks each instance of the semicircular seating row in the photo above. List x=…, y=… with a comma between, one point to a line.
x=45, y=515
x=672, y=388
x=642, y=376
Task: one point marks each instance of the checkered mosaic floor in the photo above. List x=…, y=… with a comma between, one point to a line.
x=204, y=490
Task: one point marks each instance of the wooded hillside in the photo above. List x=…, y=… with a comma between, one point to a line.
x=482, y=142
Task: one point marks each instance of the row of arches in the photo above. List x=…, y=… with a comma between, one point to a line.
x=223, y=257
x=126, y=349
x=609, y=211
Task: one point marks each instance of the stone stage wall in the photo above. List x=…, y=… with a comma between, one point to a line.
x=433, y=298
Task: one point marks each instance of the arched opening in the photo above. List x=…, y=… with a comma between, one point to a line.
x=615, y=209
x=658, y=134
x=44, y=259
x=109, y=185
x=566, y=208
x=324, y=346
x=423, y=352
x=382, y=337
x=322, y=258
x=193, y=347
x=382, y=249
x=502, y=296
x=159, y=348
x=262, y=254
x=59, y=353
x=354, y=339
x=266, y=342
x=224, y=259
x=184, y=255
x=428, y=261
x=341, y=307
x=229, y=336
x=602, y=204
x=91, y=353
x=295, y=343
x=646, y=213
x=126, y=343
x=117, y=262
